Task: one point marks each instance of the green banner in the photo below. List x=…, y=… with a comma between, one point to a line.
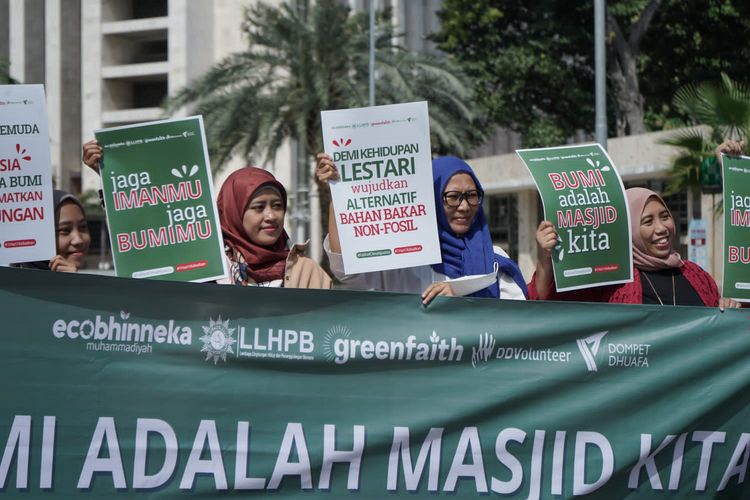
x=158, y=389
x=736, y=175
x=584, y=198
x=158, y=195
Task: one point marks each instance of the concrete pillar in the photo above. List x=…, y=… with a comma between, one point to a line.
x=16, y=31
x=91, y=79
x=4, y=30
x=63, y=82
x=26, y=40
x=191, y=41
x=527, y=223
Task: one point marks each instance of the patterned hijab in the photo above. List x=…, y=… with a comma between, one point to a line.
x=471, y=253
x=637, y=199
x=264, y=263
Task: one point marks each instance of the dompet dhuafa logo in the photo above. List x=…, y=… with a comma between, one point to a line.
x=589, y=347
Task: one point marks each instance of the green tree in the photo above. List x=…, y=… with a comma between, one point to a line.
x=692, y=42
x=533, y=61
x=719, y=111
x=301, y=61
x=525, y=58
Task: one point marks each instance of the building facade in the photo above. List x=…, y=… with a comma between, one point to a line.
x=107, y=63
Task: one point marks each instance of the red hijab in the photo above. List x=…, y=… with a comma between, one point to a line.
x=264, y=263
x=637, y=199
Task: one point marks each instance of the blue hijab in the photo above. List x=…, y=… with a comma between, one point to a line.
x=471, y=253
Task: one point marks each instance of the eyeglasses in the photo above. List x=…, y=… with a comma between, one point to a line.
x=455, y=198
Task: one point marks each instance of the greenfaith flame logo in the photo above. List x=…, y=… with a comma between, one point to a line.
x=217, y=340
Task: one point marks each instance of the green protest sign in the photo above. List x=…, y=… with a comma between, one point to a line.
x=149, y=389
x=584, y=198
x=736, y=278
x=158, y=195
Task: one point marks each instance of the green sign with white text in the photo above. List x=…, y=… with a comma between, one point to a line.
x=158, y=195
x=156, y=389
x=584, y=198
x=736, y=175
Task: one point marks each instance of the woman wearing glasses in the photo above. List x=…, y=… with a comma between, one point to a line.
x=470, y=266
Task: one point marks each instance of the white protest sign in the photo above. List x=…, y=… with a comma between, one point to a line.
x=384, y=203
x=27, y=215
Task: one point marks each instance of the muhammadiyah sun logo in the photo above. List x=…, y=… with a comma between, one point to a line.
x=217, y=340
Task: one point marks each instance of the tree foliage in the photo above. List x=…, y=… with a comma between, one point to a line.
x=719, y=111
x=299, y=63
x=527, y=62
x=692, y=42
x=533, y=61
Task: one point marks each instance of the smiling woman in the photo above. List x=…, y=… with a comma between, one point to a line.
x=72, y=236
x=470, y=264
x=252, y=204
x=660, y=275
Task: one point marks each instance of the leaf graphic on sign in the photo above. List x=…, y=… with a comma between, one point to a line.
x=559, y=249
x=176, y=173
x=124, y=315
x=605, y=168
x=22, y=152
x=193, y=170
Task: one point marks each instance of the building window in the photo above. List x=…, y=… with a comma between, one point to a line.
x=502, y=218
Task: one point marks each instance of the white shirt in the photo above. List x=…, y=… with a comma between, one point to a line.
x=416, y=279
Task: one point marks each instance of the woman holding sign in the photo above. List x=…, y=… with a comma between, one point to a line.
x=660, y=276
x=251, y=205
x=471, y=265
x=71, y=236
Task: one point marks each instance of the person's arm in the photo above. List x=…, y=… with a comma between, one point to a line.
x=727, y=303
x=730, y=147
x=92, y=155
x=434, y=289
x=326, y=171
x=544, y=277
x=92, y=158
x=59, y=264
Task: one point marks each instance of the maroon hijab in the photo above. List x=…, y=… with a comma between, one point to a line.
x=637, y=199
x=264, y=263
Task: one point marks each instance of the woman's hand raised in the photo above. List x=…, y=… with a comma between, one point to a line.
x=326, y=170
x=92, y=155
